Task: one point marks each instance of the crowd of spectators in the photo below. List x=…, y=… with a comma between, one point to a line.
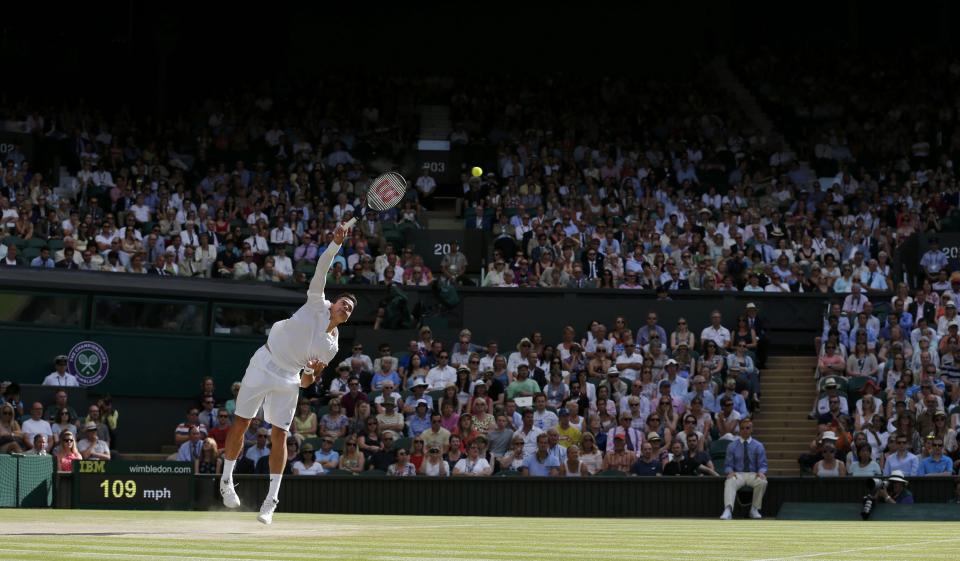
x=56, y=429
x=247, y=188
x=888, y=383
x=683, y=194
x=646, y=401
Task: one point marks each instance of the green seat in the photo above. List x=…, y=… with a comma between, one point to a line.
x=372, y=473
x=338, y=444
x=436, y=395
x=718, y=464
x=718, y=449
x=436, y=323
x=55, y=245
x=314, y=441
x=14, y=240
x=322, y=410
x=30, y=253
x=146, y=228
x=36, y=242
x=406, y=443
x=374, y=395
x=856, y=384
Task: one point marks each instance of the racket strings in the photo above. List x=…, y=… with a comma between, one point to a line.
x=387, y=191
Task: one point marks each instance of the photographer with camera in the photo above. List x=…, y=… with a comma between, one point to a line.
x=892, y=490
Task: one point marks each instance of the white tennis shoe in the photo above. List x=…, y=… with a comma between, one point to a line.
x=230, y=498
x=266, y=511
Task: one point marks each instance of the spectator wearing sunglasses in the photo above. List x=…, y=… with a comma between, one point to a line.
x=902, y=459
x=936, y=464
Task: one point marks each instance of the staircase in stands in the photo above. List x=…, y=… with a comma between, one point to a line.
x=782, y=426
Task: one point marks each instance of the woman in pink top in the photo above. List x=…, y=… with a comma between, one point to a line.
x=68, y=451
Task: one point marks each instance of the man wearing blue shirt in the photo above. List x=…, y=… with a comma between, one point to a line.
x=43, y=260
x=542, y=463
x=936, y=464
x=327, y=456
x=903, y=460
x=745, y=466
x=934, y=260
x=420, y=420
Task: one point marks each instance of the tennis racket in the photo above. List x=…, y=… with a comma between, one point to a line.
x=384, y=193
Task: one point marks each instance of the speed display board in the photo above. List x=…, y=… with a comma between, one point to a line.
x=132, y=485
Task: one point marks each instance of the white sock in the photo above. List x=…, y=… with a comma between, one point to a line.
x=227, y=475
x=274, y=486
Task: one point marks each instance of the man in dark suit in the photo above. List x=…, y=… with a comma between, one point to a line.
x=759, y=326
x=920, y=308
x=592, y=261
x=480, y=221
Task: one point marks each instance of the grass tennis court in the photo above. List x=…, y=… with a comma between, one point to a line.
x=191, y=536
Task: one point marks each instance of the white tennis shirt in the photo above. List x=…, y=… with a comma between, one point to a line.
x=303, y=337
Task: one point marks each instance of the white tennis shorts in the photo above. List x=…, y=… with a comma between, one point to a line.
x=271, y=385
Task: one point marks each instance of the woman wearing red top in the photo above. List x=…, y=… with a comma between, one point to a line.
x=465, y=431
x=68, y=452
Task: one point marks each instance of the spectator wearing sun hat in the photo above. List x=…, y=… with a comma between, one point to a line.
x=520, y=356
x=420, y=420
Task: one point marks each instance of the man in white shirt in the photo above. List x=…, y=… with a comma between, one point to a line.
x=441, y=375
x=189, y=235
x=854, y=302
x=520, y=356
x=256, y=216
x=716, y=332
x=543, y=418
x=426, y=185
x=282, y=234
x=629, y=362
x=37, y=425
x=60, y=377
x=296, y=352
x=282, y=263
x=486, y=361
x=258, y=243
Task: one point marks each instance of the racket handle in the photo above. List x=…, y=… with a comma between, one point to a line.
x=349, y=223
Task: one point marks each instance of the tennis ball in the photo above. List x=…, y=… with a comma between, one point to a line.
x=476, y=171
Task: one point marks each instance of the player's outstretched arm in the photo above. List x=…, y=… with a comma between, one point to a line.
x=319, y=281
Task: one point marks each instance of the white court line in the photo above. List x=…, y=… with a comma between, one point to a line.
x=857, y=549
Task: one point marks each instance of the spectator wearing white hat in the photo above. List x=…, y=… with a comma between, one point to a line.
x=896, y=492
x=91, y=447
x=521, y=356
x=60, y=377
x=418, y=392
x=678, y=384
x=419, y=422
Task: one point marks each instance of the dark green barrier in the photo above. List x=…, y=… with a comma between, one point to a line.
x=26, y=481
x=596, y=496
x=163, y=335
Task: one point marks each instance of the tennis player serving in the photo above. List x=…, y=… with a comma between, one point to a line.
x=306, y=342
